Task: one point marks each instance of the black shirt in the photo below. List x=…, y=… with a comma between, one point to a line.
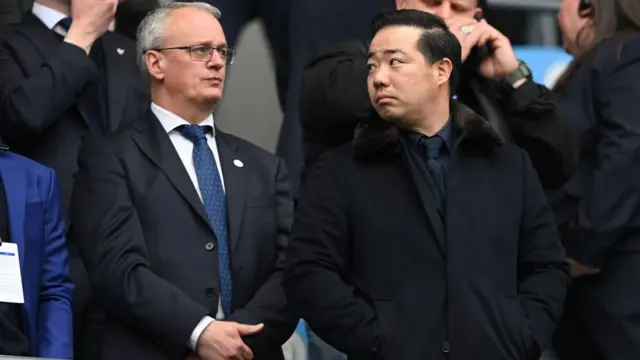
x=13, y=339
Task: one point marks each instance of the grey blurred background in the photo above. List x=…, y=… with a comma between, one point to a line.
x=250, y=106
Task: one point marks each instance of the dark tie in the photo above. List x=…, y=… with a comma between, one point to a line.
x=65, y=23
x=215, y=203
x=433, y=147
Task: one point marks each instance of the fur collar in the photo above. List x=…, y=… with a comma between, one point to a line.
x=375, y=136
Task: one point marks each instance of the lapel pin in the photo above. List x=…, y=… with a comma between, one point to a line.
x=238, y=163
x=120, y=51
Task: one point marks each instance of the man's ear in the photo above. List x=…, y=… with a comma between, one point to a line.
x=155, y=64
x=478, y=14
x=400, y=4
x=443, y=69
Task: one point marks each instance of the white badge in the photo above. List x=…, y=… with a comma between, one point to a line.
x=10, y=277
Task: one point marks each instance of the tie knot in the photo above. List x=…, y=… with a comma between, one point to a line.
x=194, y=133
x=65, y=23
x=433, y=145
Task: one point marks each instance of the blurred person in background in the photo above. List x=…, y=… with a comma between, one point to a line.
x=184, y=228
x=31, y=228
x=598, y=210
x=466, y=261
x=494, y=83
x=64, y=76
x=12, y=11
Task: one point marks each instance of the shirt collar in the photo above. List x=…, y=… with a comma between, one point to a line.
x=446, y=133
x=171, y=121
x=50, y=17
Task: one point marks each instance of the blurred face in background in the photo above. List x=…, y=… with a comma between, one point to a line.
x=401, y=80
x=197, y=74
x=572, y=24
x=446, y=9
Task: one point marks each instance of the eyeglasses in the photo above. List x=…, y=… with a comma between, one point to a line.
x=204, y=53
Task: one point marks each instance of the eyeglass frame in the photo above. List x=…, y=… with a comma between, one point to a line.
x=230, y=57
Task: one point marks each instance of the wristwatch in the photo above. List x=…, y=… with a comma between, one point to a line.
x=521, y=72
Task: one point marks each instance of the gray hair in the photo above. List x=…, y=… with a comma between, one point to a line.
x=151, y=31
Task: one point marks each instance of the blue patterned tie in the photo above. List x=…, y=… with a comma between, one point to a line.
x=215, y=203
x=433, y=147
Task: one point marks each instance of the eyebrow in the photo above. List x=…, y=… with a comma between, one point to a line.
x=385, y=52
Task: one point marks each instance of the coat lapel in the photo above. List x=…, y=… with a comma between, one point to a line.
x=14, y=186
x=155, y=143
x=235, y=177
x=117, y=62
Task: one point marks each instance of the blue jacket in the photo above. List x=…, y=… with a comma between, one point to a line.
x=37, y=228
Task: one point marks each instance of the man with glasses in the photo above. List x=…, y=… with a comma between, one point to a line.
x=183, y=228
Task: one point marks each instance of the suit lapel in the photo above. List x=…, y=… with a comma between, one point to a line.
x=154, y=142
x=14, y=187
x=117, y=62
x=235, y=177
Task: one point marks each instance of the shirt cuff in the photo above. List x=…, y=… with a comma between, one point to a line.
x=195, y=335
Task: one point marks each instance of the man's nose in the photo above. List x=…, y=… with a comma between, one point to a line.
x=380, y=77
x=217, y=61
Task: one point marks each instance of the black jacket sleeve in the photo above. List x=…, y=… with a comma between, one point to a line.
x=543, y=274
x=537, y=124
x=31, y=104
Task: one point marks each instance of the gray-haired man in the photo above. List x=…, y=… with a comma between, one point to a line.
x=183, y=228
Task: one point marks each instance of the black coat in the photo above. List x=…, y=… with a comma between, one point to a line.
x=356, y=263
x=334, y=99
x=598, y=211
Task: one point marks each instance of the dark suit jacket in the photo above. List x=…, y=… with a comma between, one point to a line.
x=38, y=230
x=146, y=241
x=356, y=263
x=334, y=99
x=42, y=81
x=12, y=11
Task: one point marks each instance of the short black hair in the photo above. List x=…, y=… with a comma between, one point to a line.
x=436, y=41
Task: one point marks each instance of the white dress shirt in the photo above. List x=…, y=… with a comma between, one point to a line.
x=50, y=17
x=184, y=147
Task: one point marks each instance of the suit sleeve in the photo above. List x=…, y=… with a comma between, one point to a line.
x=543, y=273
x=612, y=196
x=269, y=304
x=113, y=247
x=55, y=323
x=316, y=279
x=539, y=126
x=32, y=104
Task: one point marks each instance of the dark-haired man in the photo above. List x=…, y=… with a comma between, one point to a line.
x=427, y=236
x=494, y=84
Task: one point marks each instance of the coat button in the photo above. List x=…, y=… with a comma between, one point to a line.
x=209, y=246
x=210, y=292
x=446, y=347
